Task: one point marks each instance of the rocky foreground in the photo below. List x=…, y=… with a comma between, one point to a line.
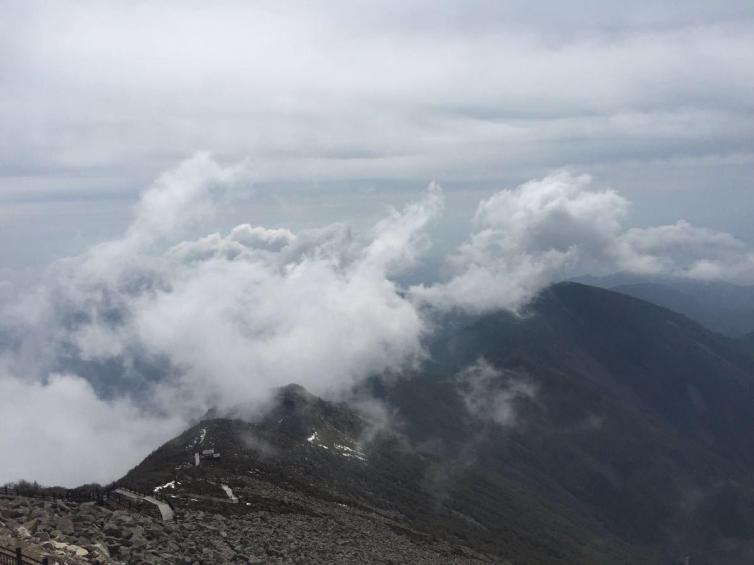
x=72, y=533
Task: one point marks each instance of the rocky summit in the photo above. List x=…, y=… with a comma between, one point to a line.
x=72, y=533
x=241, y=493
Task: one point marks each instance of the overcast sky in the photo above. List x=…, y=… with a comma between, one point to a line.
x=344, y=107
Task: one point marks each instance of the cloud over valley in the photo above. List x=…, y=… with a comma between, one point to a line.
x=129, y=341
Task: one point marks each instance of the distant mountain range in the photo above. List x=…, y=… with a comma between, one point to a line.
x=722, y=307
x=595, y=428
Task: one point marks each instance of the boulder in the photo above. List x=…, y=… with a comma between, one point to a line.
x=137, y=541
x=76, y=550
x=102, y=549
x=113, y=530
x=64, y=524
x=32, y=525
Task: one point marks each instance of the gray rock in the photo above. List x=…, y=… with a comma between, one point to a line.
x=113, y=530
x=32, y=525
x=16, y=513
x=64, y=524
x=137, y=541
x=101, y=548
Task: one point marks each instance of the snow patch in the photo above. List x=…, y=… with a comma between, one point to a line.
x=171, y=484
x=346, y=451
x=343, y=450
x=314, y=440
x=229, y=492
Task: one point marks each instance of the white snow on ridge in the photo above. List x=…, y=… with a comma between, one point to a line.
x=229, y=492
x=343, y=450
x=346, y=451
x=171, y=484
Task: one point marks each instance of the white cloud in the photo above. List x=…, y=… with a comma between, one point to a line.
x=61, y=433
x=399, y=238
x=183, y=196
x=492, y=394
x=339, y=91
x=226, y=317
x=314, y=308
x=526, y=238
x=684, y=250
x=549, y=229
x=178, y=326
x=242, y=240
x=97, y=97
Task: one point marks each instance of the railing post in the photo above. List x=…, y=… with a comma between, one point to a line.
x=19, y=557
x=45, y=561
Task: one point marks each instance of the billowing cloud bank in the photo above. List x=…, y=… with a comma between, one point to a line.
x=120, y=347
x=546, y=230
x=178, y=327
x=60, y=432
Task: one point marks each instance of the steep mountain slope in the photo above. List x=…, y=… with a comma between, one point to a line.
x=307, y=453
x=302, y=461
x=645, y=356
x=640, y=414
x=595, y=428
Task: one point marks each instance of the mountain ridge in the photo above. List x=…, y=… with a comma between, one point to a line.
x=592, y=428
x=628, y=403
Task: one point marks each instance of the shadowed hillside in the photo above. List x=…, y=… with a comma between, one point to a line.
x=641, y=416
